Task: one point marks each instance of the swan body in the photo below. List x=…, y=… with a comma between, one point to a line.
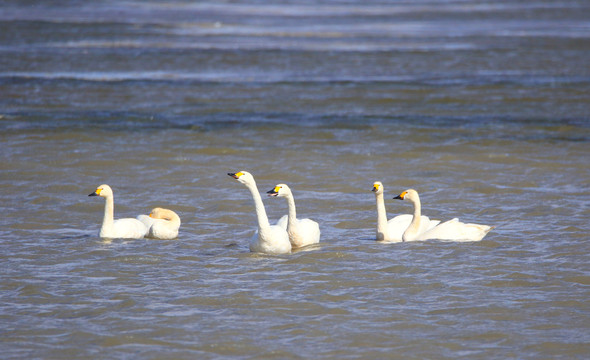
x=161, y=223
x=449, y=230
x=302, y=232
x=393, y=230
x=127, y=228
x=270, y=239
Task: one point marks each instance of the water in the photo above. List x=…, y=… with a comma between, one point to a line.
x=480, y=106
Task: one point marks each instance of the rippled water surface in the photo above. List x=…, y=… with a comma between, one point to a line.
x=480, y=106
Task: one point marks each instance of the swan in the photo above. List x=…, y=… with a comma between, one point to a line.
x=269, y=239
x=449, y=230
x=393, y=230
x=302, y=232
x=162, y=223
x=127, y=228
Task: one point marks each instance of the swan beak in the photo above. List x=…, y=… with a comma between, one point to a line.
x=235, y=175
x=401, y=196
x=375, y=188
x=273, y=192
x=95, y=193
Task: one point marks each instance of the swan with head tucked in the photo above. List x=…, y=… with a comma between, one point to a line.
x=269, y=239
x=449, y=230
x=302, y=232
x=162, y=223
x=127, y=228
x=393, y=230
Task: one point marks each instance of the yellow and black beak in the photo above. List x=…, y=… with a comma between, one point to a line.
x=274, y=192
x=375, y=187
x=401, y=196
x=236, y=175
x=95, y=193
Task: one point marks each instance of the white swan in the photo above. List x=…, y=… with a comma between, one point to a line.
x=162, y=223
x=302, y=232
x=270, y=239
x=127, y=228
x=449, y=230
x=393, y=230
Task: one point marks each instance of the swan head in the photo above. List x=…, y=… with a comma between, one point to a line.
x=242, y=176
x=103, y=191
x=377, y=188
x=409, y=194
x=160, y=213
x=280, y=190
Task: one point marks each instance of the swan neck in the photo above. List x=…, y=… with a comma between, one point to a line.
x=109, y=212
x=417, y=208
x=292, y=210
x=412, y=231
x=381, y=218
x=262, y=218
x=292, y=225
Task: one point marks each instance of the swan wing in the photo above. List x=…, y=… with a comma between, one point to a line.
x=163, y=229
x=426, y=224
x=309, y=232
x=456, y=231
x=128, y=228
x=283, y=222
x=146, y=220
x=397, y=225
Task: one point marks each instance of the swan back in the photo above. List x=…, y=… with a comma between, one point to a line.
x=127, y=228
x=308, y=233
x=456, y=231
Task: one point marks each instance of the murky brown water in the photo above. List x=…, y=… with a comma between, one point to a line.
x=482, y=107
